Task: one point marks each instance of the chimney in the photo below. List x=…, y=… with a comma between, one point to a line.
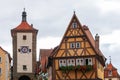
x=97, y=41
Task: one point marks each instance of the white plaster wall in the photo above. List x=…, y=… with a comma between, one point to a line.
x=24, y=58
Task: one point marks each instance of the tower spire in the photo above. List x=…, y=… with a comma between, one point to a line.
x=110, y=58
x=24, y=15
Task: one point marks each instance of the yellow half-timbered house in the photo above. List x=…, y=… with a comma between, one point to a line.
x=5, y=62
x=78, y=56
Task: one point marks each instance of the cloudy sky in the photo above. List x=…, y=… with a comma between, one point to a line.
x=52, y=17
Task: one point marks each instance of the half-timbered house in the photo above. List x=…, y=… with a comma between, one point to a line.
x=78, y=56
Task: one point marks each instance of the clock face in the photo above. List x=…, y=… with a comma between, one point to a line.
x=24, y=49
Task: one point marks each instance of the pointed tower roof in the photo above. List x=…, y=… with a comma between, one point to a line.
x=24, y=26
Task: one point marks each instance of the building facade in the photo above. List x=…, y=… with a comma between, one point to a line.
x=24, y=50
x=111, y=73
x=5, y=65
x=78, y=56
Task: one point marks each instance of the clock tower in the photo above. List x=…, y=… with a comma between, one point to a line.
x=24, y=50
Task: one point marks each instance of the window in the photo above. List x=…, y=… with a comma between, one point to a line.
x=74, y=25
x=71, y=62
x=80, y=61
x=24, y=67
x=62, y=62
x=110, y=73
x=72, y=45
x=88, y=61
x=75, y=45
x=24, y=37
x=0, y=59
x=0, y=71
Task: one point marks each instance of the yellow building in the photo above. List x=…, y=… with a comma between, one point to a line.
x=78, y=56
x=5, y=62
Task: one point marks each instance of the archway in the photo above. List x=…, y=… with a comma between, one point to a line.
x=24, y=78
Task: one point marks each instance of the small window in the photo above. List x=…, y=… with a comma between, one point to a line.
x=74, y=25
x=88, y=61
x=24, y=67
x=0, y=59
x=110, y=73
x=72, y=45
x=0, y=71
x=77, y=45
x=24, y=37
x=62, y=62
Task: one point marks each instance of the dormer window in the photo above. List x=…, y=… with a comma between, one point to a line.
x=110, y=73
x=74, y=25
x=24, y=37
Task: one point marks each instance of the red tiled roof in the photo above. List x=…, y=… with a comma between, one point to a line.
x=44, y=54
x=24, y=26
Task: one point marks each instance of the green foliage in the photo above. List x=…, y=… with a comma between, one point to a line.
x=78, y=67
x=71, y=67
x=89, y=67
x=67, y=68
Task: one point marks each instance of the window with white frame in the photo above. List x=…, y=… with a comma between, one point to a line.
x=72, y=45
x=80, y=61
x=70, y=62
x=0, y=59
x=88, y=61
x=62, y=62
x=0, y=71
x=74, y=25
x=77, y=44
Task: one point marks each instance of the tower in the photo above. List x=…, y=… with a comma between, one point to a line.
x=24, y=50
x=110, y=72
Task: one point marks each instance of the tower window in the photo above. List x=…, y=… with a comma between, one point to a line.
x=110, y=73
x=24, y=37
x=74, y=25
x=24, y=67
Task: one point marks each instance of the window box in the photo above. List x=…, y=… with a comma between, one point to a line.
x=67, y=68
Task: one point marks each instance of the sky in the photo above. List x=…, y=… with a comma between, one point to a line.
x=52, y=17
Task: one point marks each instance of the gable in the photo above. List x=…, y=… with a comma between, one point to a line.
x=77, y=41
